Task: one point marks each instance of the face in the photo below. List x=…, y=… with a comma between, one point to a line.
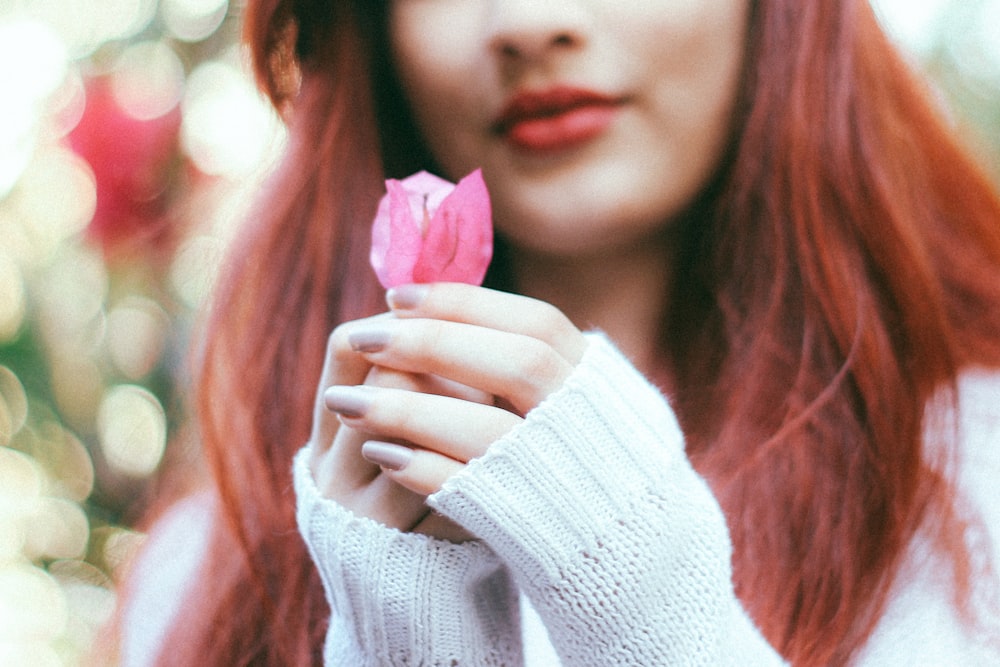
x=594, y=121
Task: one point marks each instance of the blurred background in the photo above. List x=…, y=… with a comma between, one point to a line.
x=131, y=138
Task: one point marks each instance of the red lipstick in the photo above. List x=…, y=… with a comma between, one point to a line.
x=555, y=119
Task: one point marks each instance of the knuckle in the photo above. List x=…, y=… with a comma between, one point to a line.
x=384, y=377
x=550, y=322
x=537, y=368
x=462, y=299
x=391, y=412
x=404, y=424
x=337, y=345
x=552, y=319
x=431, y=337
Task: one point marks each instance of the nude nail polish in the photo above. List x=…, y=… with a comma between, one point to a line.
x=350, y=402
x=387, y=455
x=406, y=297
x=368, y=340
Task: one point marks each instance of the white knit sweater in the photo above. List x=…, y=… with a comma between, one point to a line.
x=591, y=510
x=598, y=544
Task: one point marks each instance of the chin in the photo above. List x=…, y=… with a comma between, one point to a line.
x=580, y=228
x=573, y=239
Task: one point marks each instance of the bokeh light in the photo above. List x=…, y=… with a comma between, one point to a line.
x=119, y=546
x=135, y=336
x=29, y=654
x=66, y=461
x=133, y=430
x=989, y=35
x=13, y=405
x=912, y=22
x=97, y=201
x=12, y=297
x=978, y=53
x=56, y=529
x=132, y=143
x=85, y=25
x=148, y=79
x=194, y=270
x=25, y=89
x=193, y=20
x=54, y=201
x=21, y=483
x=32, y=606
x=227, y=130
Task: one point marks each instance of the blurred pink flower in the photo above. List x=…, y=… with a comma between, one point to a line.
x=428, y=230
x=133, y=162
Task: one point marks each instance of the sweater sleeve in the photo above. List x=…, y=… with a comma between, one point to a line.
x=401, y=598
x=617, y=542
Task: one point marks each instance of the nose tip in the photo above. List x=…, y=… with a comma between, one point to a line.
x=532, y=29
x=525, y=46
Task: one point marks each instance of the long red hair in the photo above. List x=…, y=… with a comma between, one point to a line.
x=842, y=267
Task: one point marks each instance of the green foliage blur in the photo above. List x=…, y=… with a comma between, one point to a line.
x=130, y=134
x=130, y=137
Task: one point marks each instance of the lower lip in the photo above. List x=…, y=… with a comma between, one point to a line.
x=564, y=131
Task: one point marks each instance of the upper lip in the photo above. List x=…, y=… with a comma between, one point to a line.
x=530, y=104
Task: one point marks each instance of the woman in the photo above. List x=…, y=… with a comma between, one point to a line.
x=754, y=201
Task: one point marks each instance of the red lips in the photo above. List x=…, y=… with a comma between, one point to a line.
x=556, y=119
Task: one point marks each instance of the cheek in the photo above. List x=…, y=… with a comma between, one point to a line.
x=436, y=55
x=696, y=48
x=696, y=79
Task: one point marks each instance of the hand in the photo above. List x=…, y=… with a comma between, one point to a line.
x=511, y=350
x=340, y=471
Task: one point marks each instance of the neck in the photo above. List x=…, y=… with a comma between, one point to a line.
x=624, y=294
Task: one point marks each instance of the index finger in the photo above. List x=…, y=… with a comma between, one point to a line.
x=492, y=309
x=342, y=366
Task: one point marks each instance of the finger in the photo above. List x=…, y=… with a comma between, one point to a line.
x=518, y=368
x=342, y=366
x=389, y=503
x=420, y=470
x=457, y=302
x=343, y=470
x=458, y=429
x=424, y=383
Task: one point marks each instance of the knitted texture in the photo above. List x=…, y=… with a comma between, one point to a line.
x=620, y=546
x=400, y=599
x=405, y=599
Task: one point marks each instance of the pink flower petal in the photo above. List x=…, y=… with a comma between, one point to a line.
x=426, y=189
x=458, y=244
x=396, y=239
x=428, y=230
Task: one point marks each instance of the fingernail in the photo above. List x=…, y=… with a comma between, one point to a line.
x=406, y=297
x=368, y=340
x=387, y=455
x=350, y=402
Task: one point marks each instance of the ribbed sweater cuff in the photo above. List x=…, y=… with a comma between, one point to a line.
x=578, y=461
x=594, y=507
x=401, y=598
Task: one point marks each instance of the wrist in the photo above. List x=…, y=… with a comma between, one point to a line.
x=404, y=594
